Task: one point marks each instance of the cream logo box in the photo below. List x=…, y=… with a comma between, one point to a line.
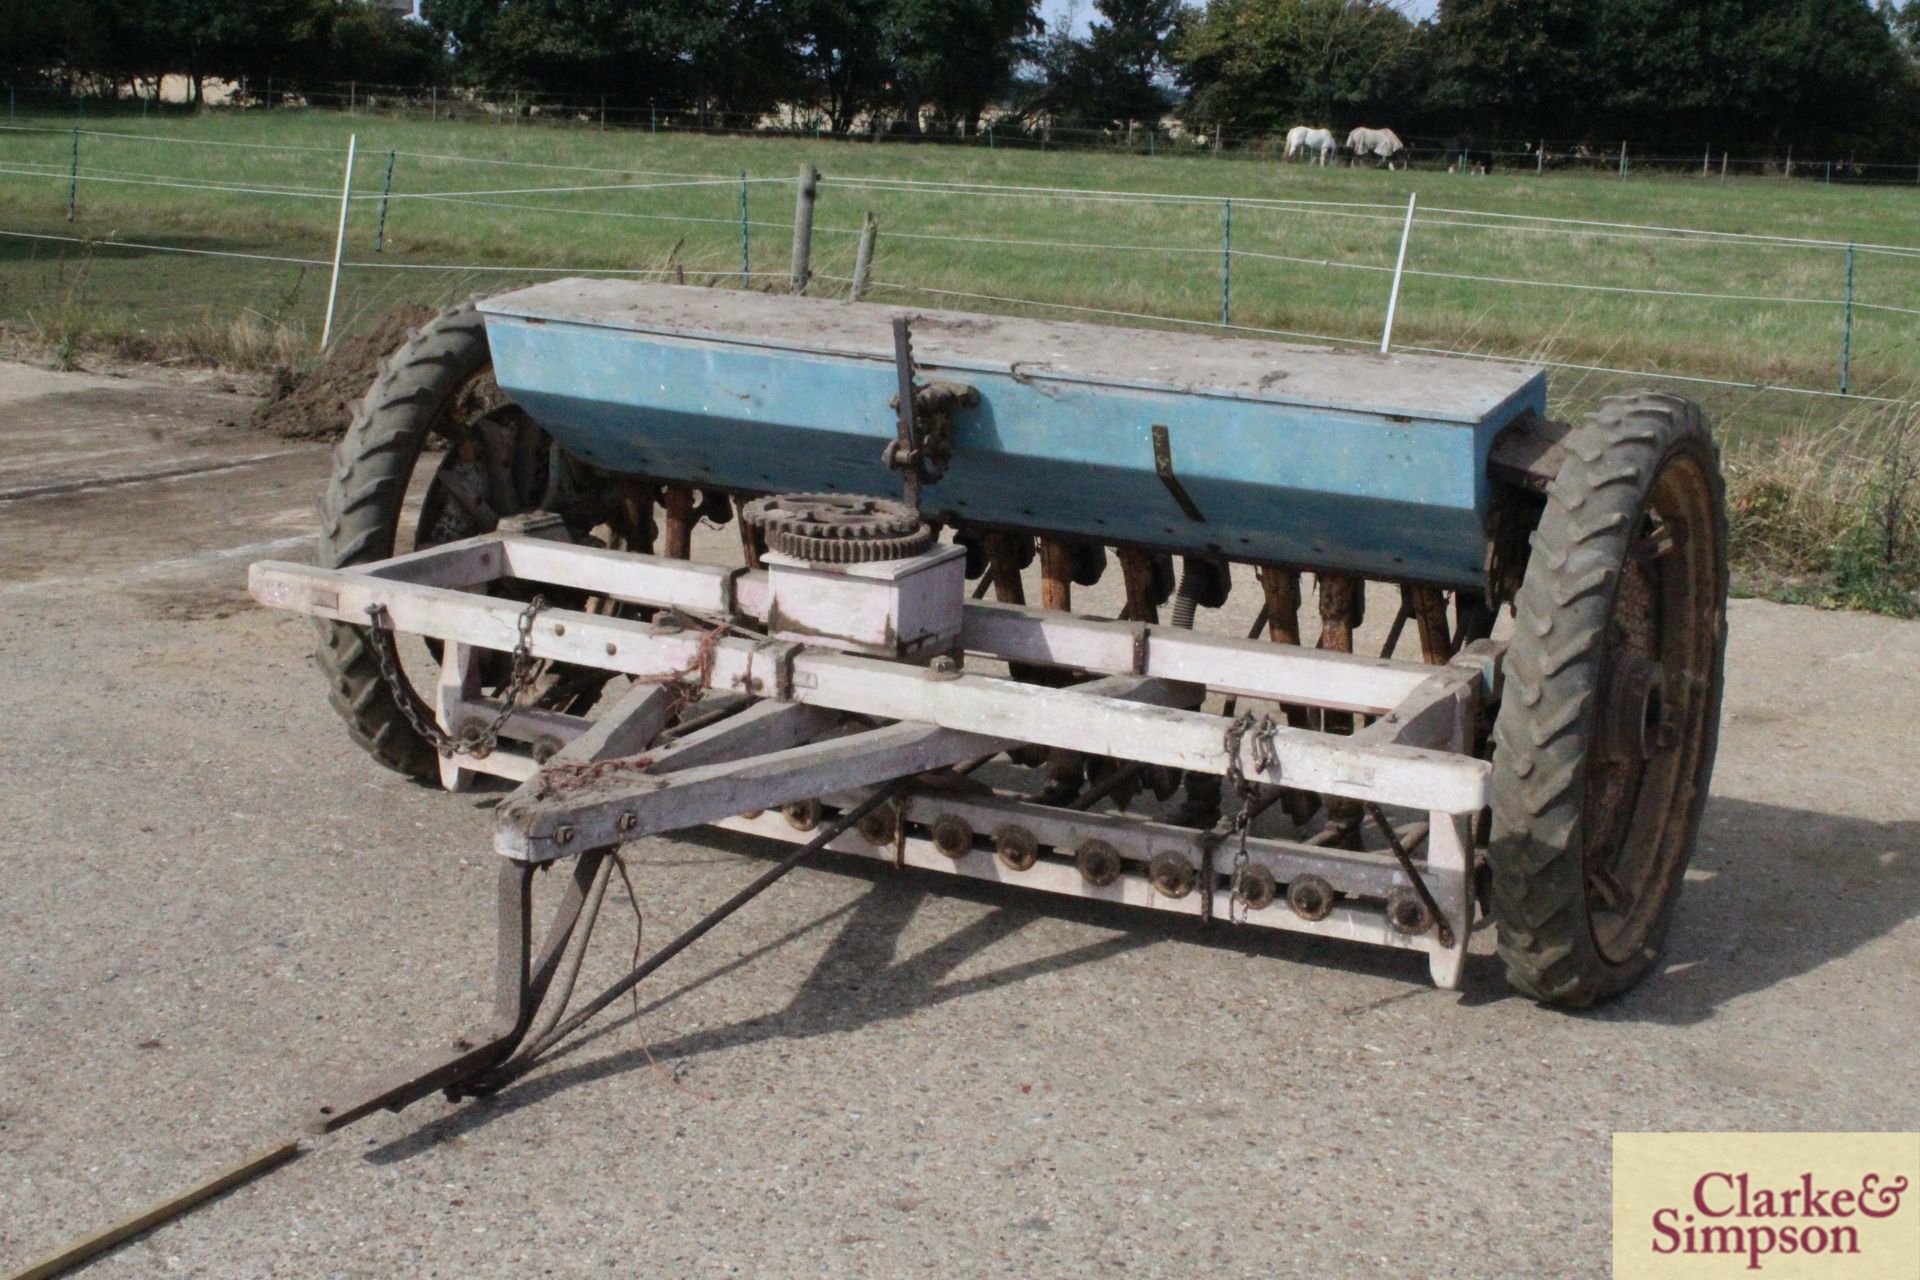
x=1692, y=1206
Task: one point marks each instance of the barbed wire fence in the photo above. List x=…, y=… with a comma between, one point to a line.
x=721, y=262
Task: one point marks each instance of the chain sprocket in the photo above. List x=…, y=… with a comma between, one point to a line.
x=839, y=528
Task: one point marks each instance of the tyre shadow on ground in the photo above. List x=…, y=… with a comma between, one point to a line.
x=1774, y=892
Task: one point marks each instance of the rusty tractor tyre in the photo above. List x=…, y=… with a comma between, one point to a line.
x=1605, y=738
x=413, y=396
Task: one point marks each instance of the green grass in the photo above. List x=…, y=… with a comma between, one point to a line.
x=1176, y=274
x=936, y=246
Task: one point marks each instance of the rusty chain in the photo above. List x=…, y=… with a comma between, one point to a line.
x=1265, y=757
x=475, y=740
x=559, y=777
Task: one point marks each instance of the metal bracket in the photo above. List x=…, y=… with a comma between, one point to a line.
x=520, y=985
x=906, y=451
x=1163, y=466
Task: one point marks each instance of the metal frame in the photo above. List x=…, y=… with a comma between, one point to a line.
x=807, y=735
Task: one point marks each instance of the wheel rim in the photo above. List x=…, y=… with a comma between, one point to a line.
x=494, y=465
x=1654, y=699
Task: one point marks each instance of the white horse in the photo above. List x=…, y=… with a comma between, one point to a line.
x=1317, y=142
x=1384, y=143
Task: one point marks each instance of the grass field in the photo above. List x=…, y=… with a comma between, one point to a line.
x=1542, y=292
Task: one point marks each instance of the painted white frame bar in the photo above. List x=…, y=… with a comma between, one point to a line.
x=1249, y=668
x=1413, y=777
x=1412, y=756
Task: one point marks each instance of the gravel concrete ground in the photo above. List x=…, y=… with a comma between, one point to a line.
x=214, y=903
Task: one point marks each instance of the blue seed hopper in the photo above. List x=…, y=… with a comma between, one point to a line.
x=1178, y=441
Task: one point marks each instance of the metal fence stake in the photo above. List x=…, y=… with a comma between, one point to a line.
x=803, y=198
x=386, y=190
x=1623, y=157
x=863, y=258
x=339, y=242
x=73, y=179
x=1399, y=267
x=1226, y=262
x=1706, y=160
x=746, y=240
x=1846, y=332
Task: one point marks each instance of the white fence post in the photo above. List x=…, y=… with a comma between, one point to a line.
x=339, y=243
x=1399, y=267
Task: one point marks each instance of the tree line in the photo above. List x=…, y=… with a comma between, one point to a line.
x=1741, y=74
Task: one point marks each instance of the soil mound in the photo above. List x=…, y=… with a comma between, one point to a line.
x=318, y=405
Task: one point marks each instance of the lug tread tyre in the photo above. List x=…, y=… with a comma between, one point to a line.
x=361, y=509
x=1546, y=726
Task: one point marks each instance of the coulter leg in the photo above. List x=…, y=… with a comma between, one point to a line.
x=680, y=520
x=1342, y=605
x=1281, y=589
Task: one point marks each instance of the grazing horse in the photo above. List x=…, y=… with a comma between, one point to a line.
x=1384, y=143
x=1317, y=142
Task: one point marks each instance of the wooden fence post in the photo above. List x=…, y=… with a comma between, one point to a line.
x=863, y=259
x=803, y=198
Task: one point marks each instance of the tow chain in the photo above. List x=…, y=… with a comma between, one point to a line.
x=1265, y=758
x=475, y=740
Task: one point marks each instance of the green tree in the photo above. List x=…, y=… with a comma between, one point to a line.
x=862, y=57
x=50, y=39
x=1513, y=65
x=363, y=40
x=954, y=56
x=1116, y=73
x=731, y=55
x=1274, y=63
x=1904, y=20
x=1756, y=72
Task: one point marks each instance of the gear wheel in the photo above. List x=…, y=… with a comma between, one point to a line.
x=839, y=528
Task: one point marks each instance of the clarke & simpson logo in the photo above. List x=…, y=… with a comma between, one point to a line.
x=1782, y=1205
